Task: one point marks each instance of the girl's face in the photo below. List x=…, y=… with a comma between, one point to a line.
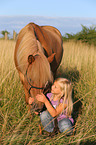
x=55, y=89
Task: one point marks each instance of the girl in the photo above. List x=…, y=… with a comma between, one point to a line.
x=59, y=104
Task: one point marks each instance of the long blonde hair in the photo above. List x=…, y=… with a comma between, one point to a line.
x=66, y=94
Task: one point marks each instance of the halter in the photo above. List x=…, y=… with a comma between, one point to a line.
x=40, y=88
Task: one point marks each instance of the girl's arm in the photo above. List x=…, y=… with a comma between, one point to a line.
x=54, y=112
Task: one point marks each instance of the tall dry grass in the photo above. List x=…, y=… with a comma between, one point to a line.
x=78, y=65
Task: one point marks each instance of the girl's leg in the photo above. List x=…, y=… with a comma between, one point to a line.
x=47, y=121
x=65, y=125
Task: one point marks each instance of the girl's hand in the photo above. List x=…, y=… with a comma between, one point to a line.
x=41, y=97
x=31, y=100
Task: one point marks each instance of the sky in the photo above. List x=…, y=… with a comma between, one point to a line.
x=48, y=8
x=66, y=15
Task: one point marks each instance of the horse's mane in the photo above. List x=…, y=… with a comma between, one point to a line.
x=39, y=71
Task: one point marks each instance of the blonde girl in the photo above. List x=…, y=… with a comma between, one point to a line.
x=59, y=104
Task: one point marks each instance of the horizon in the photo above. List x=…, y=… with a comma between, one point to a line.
x=71, y=25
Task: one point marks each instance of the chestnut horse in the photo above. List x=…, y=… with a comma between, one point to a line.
x=38, y=53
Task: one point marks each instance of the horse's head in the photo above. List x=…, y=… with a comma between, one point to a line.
x=38, y=77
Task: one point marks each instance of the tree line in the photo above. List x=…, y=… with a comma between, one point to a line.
x=5, y=34
x=87, y=35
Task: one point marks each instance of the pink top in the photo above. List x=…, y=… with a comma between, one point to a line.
x=55, y=103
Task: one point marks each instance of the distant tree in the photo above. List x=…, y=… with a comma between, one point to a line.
x=3, y=32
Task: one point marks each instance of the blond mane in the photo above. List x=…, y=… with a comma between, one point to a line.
x=39, y=71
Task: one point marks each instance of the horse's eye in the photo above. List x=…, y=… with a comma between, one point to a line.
x=30, y=80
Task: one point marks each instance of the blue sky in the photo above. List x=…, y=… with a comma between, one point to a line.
x=65, y=15
x=48, y=8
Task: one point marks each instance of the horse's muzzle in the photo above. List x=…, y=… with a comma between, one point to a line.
x=37, y=107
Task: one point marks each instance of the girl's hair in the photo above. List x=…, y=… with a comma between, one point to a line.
x=66, y=94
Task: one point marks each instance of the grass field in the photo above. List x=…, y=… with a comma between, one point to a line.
x=16, y=127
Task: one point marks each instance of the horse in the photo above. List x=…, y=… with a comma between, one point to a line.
x=38, y=53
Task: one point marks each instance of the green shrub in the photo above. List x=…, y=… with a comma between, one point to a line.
x=87, y=35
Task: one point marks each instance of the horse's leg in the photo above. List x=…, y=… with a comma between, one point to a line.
x=27, y=102
x=26, y=91
x=21, y=77
x=27, y=98
x=26, y=95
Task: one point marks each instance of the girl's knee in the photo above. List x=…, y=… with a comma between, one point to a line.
x=65, y=125
x=47, y=121
x=45, y=115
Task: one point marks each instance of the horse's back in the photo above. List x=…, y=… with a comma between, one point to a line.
x=52, y=29
x=55, y=40
x=51, y=40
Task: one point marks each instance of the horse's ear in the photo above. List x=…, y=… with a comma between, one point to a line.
x=51, y=57
x=31, y=59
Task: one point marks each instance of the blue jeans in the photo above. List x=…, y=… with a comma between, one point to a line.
x=47, y=121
